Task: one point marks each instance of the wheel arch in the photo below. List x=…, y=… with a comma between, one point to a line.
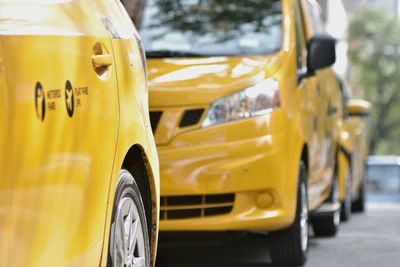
x=137, y=163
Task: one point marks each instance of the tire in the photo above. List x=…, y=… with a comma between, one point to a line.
x=128, y=215
x=328, y=225
x=289, y=246
x=359, y=204
x=345, y=211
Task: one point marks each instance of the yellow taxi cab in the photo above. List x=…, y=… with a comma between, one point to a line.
x=352, y=157
x=78, y=163
x=246, y=114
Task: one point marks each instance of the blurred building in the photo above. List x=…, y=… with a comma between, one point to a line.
x=337, y=14
x=336, y=23
x=390, y=6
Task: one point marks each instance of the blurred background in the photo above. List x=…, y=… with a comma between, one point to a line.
x=369, y=60
x=370, y=35
x=371, y=31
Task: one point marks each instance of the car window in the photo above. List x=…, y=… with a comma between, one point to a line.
x=213, y=27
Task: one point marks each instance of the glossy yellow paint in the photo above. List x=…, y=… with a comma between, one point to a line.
x=354, y=146
x=343, y=169
x=249, y=157
x=60, y=158
x=358, y=107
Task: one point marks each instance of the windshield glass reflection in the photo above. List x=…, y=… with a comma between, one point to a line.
x=173, y=28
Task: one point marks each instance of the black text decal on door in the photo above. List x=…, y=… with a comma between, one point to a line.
x=69, y=99
x=40, y=101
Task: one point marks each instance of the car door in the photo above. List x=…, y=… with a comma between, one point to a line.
x=63, y=126
x=334, y=117
x=358, y=127
x=129, y=58
x=311, y=102
x=328, y=97
x=131, y=69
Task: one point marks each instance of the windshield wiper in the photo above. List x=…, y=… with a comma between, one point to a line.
x=170, y=53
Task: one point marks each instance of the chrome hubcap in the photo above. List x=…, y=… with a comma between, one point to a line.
x=127, y=240
x=304, y=218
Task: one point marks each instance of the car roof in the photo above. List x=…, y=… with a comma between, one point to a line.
x=383, y=160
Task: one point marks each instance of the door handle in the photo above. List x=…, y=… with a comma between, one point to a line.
x=102, y=60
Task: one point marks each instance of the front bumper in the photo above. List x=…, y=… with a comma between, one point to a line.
x=256, y=160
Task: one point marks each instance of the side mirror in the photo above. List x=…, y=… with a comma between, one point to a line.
x=321, y=52
x=358, y=107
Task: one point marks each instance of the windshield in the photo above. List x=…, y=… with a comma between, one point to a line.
x=212, y=27
x=384, y=178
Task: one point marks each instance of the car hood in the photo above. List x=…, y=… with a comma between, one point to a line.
x=200, y=81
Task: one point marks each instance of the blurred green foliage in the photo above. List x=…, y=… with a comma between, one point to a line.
x=375, y=55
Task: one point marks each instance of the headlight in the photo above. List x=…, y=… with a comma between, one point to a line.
x=257, y=100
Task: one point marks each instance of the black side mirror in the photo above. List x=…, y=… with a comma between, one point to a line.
x=321, y=52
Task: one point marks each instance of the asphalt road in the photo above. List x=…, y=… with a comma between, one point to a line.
x=369, y=240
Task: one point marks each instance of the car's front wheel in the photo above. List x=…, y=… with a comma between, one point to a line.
x=129, y=236
x=289, y=246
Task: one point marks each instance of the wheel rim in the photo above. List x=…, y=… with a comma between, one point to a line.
x=304, y=218
x=128, y=246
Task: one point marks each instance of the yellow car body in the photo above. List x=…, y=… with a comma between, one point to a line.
x=242, y=175
x=353, y=153
x=74, y=111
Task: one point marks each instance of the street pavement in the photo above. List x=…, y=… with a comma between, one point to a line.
x=370, y=239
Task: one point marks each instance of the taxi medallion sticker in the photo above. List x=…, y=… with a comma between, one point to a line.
x=40, y=101
x=69, y=99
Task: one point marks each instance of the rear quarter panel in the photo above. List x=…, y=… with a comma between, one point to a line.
x=4, y=177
